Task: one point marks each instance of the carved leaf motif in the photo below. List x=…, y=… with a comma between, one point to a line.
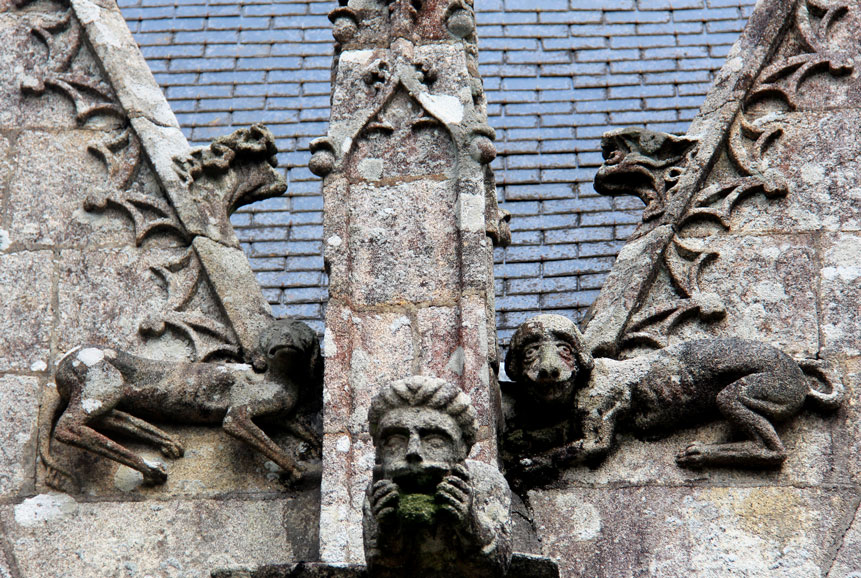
x=121, y=154
x=182, y=278
x=748, y=142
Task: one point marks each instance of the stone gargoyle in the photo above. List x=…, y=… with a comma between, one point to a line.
x=101, y=389
x=567, y=407
x=429, y=511
x=643, y=163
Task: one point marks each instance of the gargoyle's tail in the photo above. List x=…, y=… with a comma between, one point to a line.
x=815, y=371
x=57, y=477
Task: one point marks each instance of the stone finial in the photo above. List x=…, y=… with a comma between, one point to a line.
x=429, y=511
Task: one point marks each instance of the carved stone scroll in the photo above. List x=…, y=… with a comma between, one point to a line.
x=738, y=134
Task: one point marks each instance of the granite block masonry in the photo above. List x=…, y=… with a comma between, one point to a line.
x=115, y=237
x=737, y=271
x=410, y=221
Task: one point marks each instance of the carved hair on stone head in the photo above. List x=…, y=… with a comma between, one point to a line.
x=430, y=392
x=556, y=325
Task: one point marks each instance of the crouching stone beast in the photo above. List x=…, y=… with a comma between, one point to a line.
x=100, y=389
x=568, y=407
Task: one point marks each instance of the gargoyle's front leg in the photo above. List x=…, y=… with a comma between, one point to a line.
x=599, y=434
x=238, y=423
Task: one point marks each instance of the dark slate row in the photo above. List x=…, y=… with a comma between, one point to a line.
x=559, y=73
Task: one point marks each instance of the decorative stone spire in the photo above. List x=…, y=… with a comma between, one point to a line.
x=410, y=222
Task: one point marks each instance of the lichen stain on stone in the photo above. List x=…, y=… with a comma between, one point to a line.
x=584, y=517
x=44, y=508
x=5, y=241
x=456, y=361
x=371, y=169
x=445, y=107
x=127, y=479
x=771, y=513
x=91, y=356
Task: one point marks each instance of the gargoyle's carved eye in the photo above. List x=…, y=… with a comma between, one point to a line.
x=531, y=352
x=564, y=350
x=395, y=442
x=435, y=441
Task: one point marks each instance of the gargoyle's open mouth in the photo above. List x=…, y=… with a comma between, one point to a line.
x=613, y=157
x=623, y=179
x=287, y=348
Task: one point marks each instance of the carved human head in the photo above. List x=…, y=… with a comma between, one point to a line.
x=290, y=345
x=548, y=357
x=422, y=427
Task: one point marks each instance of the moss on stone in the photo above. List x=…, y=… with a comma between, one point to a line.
x=417, y=509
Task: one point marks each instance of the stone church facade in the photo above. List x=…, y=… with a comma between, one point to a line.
x=700, y=421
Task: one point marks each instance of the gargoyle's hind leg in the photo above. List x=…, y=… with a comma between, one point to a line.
x=122, y=422
x=752, y=416
x=238, y=423
x=73, y=429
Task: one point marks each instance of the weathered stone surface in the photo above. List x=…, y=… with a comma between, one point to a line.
x=20, y=51
x=233, y=281
x=27, y=307
x=847, y=563
x=382, y=350
x=820, y=155
x=49, y=203
x=607, y=317
x=768, y=286
x=840, y=300
x=19, y=406
x=214, y=464
x=341, y=500
x=850, y=436
x=677, y=532
x=111, y=39
x=399, y=253
x=97, y=286
x=52, y=535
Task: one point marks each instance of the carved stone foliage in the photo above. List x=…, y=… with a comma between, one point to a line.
x=429, y=511
x=95, y=103
x=565, y=407
x=105, y=390
x=233, y=171
x=650, y=165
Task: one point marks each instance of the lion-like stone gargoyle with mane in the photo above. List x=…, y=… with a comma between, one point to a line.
x=567, y=407
x=100, y=389
x=643, y=163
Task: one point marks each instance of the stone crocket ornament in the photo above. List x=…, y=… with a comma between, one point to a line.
x=567, y=407
x=429, y=511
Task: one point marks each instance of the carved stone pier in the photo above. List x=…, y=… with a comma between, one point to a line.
x=410, y=219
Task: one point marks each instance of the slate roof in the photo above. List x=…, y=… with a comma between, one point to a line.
x=558, y=74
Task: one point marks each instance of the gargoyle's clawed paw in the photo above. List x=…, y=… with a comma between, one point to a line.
x=61, y=482
x=292, y=477
x=172, y=450
x=692, y=456
x=155, y=475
